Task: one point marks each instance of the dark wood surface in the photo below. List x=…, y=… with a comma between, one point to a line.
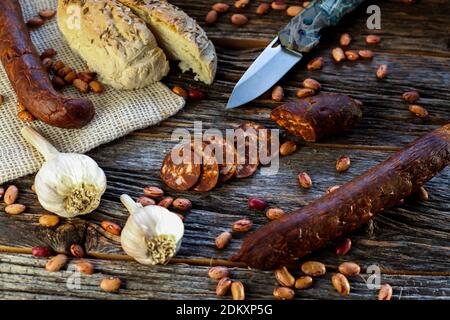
x=410, y=243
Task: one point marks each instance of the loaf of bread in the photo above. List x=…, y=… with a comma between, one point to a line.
x=113, y=41
x=179, y=35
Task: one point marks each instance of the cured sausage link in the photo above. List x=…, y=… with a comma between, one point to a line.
x=30, y=81
x=283, y=241
x=318, y=117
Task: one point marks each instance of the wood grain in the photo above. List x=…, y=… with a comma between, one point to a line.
x=410, y=230
x=409, y=243
x=24, y=277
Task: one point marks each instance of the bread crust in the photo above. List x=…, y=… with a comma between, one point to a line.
x=113, y=41
x=200, y=47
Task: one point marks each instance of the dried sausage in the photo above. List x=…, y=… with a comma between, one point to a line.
x=29, y=78
x=209, y=175
x=181, y=175
x=318, y=117
x=350, y=206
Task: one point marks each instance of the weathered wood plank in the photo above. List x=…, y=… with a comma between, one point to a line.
x=428, y=39
x=386, y=120
x=23, y=277
x=418, y=232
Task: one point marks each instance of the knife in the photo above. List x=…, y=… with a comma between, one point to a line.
x=300, y=35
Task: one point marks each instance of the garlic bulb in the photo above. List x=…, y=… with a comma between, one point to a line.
x=152, y=234
x=68, y=184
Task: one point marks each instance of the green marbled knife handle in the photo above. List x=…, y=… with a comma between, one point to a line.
x=302, y=33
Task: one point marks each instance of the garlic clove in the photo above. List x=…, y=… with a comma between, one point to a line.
x=152, y=234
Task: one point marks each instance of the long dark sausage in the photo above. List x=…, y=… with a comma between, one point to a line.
x=352, y=205
x=30, y=81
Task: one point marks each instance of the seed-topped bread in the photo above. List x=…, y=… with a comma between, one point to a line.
x=113, y=41
x=179, y=35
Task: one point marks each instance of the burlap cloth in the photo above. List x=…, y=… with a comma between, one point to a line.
x=117, y=112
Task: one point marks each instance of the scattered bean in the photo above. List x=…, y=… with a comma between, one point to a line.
x=70, y=77
x=41, y=251
x=47, y=13
x=275, y=213
x=48, y=53
x=153, y=192
x=419, y=111
x=385, y=292
x=263, y=8
x=58, y=82
x=341, y=284
x=292, y=11
x=211, y=18
x=313, y=268
x=277, y=94
x=304, y=180
x=239, y=19
x=423, y=194
x=219, y=272
x=166, y=202
x=382, y=71
x=35, y=22
x=96, y=87
x=110, y=284
x=242, y=225
x=303, y=282
x=279, y=5
x=373, y=39
x=223, y=286
x=146, y=201
x=237, y=290
x=332, y=188
x=221, y=7
x=349, y=269
x=85, y=267
x=284, y=277
x=180, y=91
x=182, y=204
x=25, y=116
x=338, y=54
x=410, y=96
x=56, y=263
x=288, y=148
x=352, y=55
x=80, y=85
x=315, y=64
x=366, y=54
x=344, y=247
x=77, y=251
x=223, y=239
x=87, y=77
x=196, y=94
x=257, y=203
x=345, y=39
x=49, y=220
x=111, y=227
x=343, y=163
x=239, y=4
x=15, y=209
x=310, y=83
x=282, y=293
x=305, y=92
x=11, y=194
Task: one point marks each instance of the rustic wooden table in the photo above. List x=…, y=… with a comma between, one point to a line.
x=410, y=243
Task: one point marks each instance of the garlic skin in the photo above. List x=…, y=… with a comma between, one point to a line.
x=152, y=234
x=68, y=184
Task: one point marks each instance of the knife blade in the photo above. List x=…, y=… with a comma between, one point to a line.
x=300, y=35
